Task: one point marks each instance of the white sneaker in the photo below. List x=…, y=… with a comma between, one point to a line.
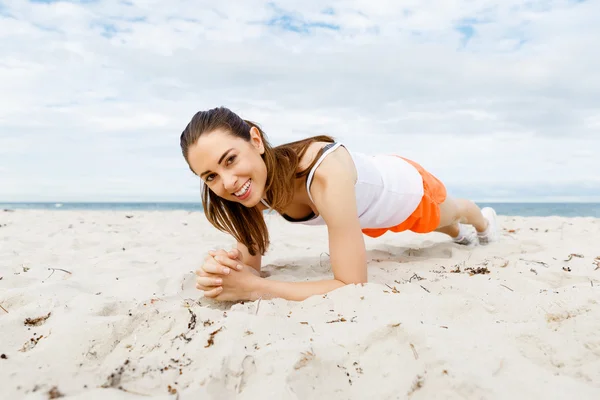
x=491, y=233
x=466, y=237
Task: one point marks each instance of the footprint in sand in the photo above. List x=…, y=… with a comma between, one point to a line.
x=229, y=383
x=578, y=362
x=439, y=250
x=326, y=372
x=111, y=309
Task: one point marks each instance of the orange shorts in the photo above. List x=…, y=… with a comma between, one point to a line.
x=426, y=217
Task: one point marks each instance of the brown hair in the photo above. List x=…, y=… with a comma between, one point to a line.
x=247, y=225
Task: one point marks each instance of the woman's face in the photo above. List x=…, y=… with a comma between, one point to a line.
x=230, y=166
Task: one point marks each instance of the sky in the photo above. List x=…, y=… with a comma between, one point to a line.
x=498, y=98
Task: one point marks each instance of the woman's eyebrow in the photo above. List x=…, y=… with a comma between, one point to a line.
x=220, y=161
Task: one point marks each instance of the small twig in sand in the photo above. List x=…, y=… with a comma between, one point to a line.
x=4, y=309
x=414, y=351
x=258, y=305
x=425, y=289
x=570, y=257
x=415, y=276
x=57, y=269
x=336, y=320
x=507, y=287
x=393, y=289
x=536, y=262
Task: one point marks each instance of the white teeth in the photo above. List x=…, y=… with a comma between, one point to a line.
x=243, y=190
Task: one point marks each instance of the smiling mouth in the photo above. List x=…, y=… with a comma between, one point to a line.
x=244, y=192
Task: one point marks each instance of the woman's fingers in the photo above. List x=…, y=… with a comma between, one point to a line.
x=217, y=252
x=220, y=265
x=213, y=292
x=206, y=281
x=213, y=266
x=216, y=268
x=233, y=253
x=227, y=262
x=208, y=274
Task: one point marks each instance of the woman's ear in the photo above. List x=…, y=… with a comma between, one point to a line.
x=256, y=140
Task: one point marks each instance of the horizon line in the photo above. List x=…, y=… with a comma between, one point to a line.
x=505, y=201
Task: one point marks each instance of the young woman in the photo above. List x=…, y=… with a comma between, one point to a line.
x=315, y=181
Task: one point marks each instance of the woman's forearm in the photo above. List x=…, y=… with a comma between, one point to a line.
x=295, y=291
x=248, y=259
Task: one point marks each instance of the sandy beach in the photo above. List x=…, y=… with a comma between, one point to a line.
x=99, y=304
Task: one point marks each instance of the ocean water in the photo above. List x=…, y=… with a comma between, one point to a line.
x=512, y=209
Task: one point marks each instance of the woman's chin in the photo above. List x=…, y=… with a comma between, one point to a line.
x=252, y=202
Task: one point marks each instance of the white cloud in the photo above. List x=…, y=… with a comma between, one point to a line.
x=499, y=98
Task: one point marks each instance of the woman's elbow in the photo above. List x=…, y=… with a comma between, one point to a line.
x=354, y=281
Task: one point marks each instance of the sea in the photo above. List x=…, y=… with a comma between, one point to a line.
x=511, y=209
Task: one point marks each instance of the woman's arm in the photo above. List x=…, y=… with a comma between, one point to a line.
x=247, y=258
x=333, y=194
x=295, y=291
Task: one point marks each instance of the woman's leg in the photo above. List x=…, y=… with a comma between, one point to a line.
x=461, y=211
x=454, y=212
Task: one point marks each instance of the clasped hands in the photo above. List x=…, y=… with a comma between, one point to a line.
x=224, y=277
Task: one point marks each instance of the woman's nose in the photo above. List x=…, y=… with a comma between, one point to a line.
x=230, y=183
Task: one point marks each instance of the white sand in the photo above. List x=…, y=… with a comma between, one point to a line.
x=525, y=330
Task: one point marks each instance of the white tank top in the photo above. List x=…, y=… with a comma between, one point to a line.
x=388, y=189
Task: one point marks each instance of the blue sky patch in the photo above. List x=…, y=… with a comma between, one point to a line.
x=294, y=22
x=467, y=32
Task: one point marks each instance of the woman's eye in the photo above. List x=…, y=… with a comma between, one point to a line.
x=210, y=177
x=230, y=159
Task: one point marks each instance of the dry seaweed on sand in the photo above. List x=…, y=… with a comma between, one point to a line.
x=37, y=321
x=478, y=270
x=417, y=384
x=54, y=393
x=211, y=337
x=192, y=323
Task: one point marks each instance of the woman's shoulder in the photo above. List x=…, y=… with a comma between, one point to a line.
x=312, y=152
x=337, y=163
